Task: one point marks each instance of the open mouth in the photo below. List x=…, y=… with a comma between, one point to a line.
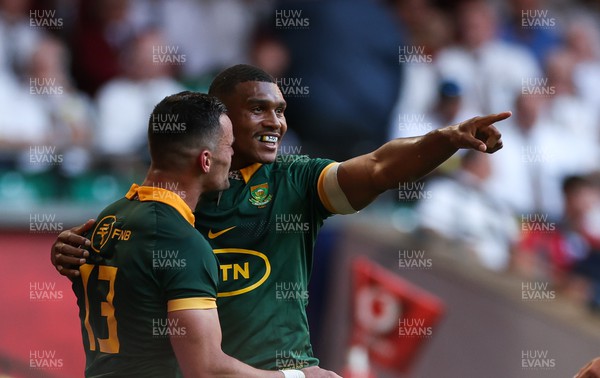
x=268, y=139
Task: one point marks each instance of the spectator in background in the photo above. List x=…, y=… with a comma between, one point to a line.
x=269, y=53
x=102, y=33
x=532, y=24
x=213, y=34
x=568, y=110
x=23, y=123
x=490, y=70
x=583, y=216
x=582, y=198
x=554, y=251
x=583, y=41
x=68, y=110
x=350, y=69
x=527, y=173
x=447, y=109
x=18, y=39
x=125, y=102
x=418, y=90
x=46, y=128
x=459, y=209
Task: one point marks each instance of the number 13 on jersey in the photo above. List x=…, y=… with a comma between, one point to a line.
x=107, y=310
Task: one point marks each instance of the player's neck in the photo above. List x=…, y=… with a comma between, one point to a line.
x=237, y=164
x=188, y=189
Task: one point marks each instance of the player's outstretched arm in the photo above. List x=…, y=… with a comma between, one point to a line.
x=199, y=352
x=66, y=253
x=365, y=177
x=591, y=370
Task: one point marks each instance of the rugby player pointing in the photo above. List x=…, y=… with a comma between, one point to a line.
x=257, y=261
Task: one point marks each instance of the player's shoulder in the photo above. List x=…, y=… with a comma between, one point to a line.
x=175, y=221
x=298, y=172
x=154, y=218
x=175, y=231
x=117, y=205
x=111, y=213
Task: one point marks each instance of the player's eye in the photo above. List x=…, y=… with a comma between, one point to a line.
x=279, y=111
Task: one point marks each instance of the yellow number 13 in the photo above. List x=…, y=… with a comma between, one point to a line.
x=105, y=273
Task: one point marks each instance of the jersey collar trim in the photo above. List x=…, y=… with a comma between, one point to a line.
x=151, y=193
x=249, y=171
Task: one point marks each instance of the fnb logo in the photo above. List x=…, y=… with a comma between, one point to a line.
x=105, y=231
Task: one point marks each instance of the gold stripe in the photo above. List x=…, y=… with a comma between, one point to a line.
x=250, y=170
x=321, y=189
x=191, y=304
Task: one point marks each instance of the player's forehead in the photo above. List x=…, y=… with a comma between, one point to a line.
x=259, y=91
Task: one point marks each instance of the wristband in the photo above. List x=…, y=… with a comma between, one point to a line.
x=293, y=373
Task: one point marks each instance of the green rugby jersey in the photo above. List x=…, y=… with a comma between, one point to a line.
x=146, y=259
x=263, y=230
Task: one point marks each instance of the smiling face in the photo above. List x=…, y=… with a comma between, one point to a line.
x=256, y=110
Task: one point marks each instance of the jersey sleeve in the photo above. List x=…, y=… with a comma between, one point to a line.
x=305, y=174
x=187, y=272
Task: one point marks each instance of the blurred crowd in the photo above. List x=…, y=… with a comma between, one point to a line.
x=79, y=79
x=533, y=208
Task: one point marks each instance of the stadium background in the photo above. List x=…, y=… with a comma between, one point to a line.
x=512, y=255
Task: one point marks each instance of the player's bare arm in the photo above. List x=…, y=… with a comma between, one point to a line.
x=365, y=177
x=199, y=352
x=67, y=252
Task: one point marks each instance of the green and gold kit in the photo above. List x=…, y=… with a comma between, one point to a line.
x=146, y=259
x=263, y=230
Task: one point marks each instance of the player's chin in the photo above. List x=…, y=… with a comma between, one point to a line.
x=218, y=186
x=225, y=185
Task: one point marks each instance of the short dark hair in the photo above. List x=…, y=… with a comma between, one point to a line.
x=182, y=121
x=224, y=83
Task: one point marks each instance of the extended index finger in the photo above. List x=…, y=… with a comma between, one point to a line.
x=492, y=118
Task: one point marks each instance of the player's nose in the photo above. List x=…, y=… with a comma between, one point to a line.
x=272, y=121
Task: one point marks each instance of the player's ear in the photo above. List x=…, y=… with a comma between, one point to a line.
x=205, y=161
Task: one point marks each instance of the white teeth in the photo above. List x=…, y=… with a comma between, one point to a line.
x=268, y=138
